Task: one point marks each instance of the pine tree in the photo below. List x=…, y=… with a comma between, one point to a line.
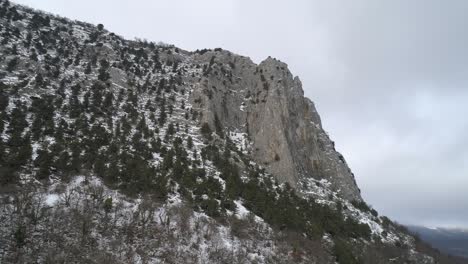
x=142, y=127
x=206, y=131
x=170, y=129
x=63, y=161
x=6, y=173
x=39, y=80
x=76, y=161
x=343, y=253
x=162, y=114
x=218, y=126
x=107, y=205
x=189, y=142
x=44, y=163
x=107, y=104
x=86, y=98
x=88, y=68
x=4, y=99
x=11, y=66
x=19, y=146
x=36, y=128
x=157, y=63
x=168, y=160
x=18, y=119
x=103, y=73
x=33, y=55
x=96, y=98
x=75, y=107
x=100, y=166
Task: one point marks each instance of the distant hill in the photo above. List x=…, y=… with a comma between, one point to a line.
x=452, y=241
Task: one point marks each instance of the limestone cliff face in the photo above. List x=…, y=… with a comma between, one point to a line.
x=267, y=103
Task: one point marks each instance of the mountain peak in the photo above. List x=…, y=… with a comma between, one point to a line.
x=136, y=152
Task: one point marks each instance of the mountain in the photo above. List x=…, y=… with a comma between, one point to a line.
x=452, y=241
x=120, y=151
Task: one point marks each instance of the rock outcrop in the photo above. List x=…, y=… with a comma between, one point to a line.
x=119, y=151
x=267, y=103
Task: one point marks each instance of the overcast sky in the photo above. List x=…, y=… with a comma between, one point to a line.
x=390, y=79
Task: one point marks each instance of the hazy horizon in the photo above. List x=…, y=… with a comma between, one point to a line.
x=387, y=79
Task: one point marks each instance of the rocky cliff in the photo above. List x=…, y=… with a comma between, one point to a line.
x=267, y=103
x=119, y=151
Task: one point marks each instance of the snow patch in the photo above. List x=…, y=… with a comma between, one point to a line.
x=51, y=199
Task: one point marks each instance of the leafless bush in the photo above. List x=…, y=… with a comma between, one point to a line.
x=239, y=227
x=184, y=214
x=145, y=212
x=96, y=192
x=67, y=196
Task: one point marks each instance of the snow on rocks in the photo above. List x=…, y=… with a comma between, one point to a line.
x=241, y=140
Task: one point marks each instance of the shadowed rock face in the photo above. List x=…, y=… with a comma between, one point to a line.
x=267, y=102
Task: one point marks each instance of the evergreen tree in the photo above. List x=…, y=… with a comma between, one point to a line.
x=11, y=66
x=76, y=161
x=142, y=127
x=39, y=80
x=33, y=55
x=157, y=63
x=19, y=154
x=107, y=104
x=44, y=163
x=206, y=131
x=100, y=166
x=112, y=174
x=218, y=126
x=162, y=113
x=19, y=146
x=343, y=253
x=96, y=98
x=103, y=73
x=63, y=162
x=6, y=174
x=75, y=107
x=170, y=129
x=189, y=142
x=107, y=205
x=88, y=68
x=4, y=99
x=86, y=98
x=18, y=120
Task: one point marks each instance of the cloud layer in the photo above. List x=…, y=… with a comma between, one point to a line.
x=389, y=79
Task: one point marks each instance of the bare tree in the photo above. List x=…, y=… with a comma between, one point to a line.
x=67, y=196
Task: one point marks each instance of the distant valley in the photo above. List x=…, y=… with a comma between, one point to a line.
x=452, y=241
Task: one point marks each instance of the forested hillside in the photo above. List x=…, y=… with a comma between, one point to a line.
x=118, y=151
